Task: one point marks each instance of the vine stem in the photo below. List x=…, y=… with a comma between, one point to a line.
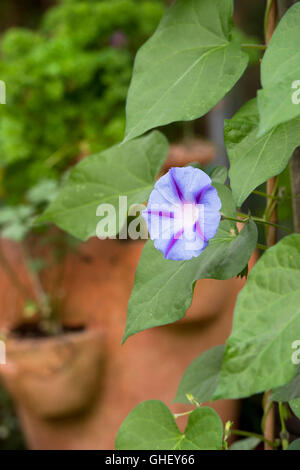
x=271, y=210
x=255, y=46
x=185, y=413
x=270, y=20
x=258, y=220
x=284, y=433
x=277, y=198
x=262, y=194
x=283, y=6
x=259, y=246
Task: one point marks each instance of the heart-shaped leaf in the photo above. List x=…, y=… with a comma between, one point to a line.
x=254, y=159
x=294, y=445
x=279, y=101
x=151, y=426
x=258, y=354
x=186, y=67
x=163, y=289
x=201, y=377
x=123, y=170
x=295, y=405
x=246, y=444
x=289, y=391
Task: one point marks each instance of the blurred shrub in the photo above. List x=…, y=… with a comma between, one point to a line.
x=10, y=434
x=66, y=86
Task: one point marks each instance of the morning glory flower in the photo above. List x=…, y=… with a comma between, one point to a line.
x=183, y=213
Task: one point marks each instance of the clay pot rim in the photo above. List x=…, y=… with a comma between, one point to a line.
x=25, y=344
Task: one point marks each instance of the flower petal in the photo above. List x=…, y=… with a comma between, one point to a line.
x=181, y=248
x=211, y=200
x=211, y=222
x=183, y=213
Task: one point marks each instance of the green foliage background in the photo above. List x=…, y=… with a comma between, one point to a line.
x=66, y=86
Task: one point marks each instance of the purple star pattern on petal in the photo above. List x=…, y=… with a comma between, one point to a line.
x=183, y=213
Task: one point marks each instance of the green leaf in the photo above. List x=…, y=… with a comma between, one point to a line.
x=285, y=207
x=163, y=289
x=295, y=405
x=201, y=377
x=151, y=426
x=246, y=444
x=258, y=354
x=289, y=391
x=228, y=206
x=219, y=174
x=279, y=70
x=123, y=170
x=294, y=445
x=186, y=67
x=254, y=159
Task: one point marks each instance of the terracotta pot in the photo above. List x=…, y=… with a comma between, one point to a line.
x=190, y=150
x=65, y=398
x=56, y=377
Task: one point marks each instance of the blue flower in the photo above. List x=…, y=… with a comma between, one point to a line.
x=183, y=213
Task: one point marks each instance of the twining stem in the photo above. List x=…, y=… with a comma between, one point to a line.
x=260, y=220
x=272, y=213
x=267, y=405
x=283, y=6
x=257, y=220
x=281, y=416
x=284, y=433
x=261, y=247
x=275, y=198
x=255, y=46
x=178, y=415
x=270, y=19
x=295, y=180
x=227, y=432
x=265, y=195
